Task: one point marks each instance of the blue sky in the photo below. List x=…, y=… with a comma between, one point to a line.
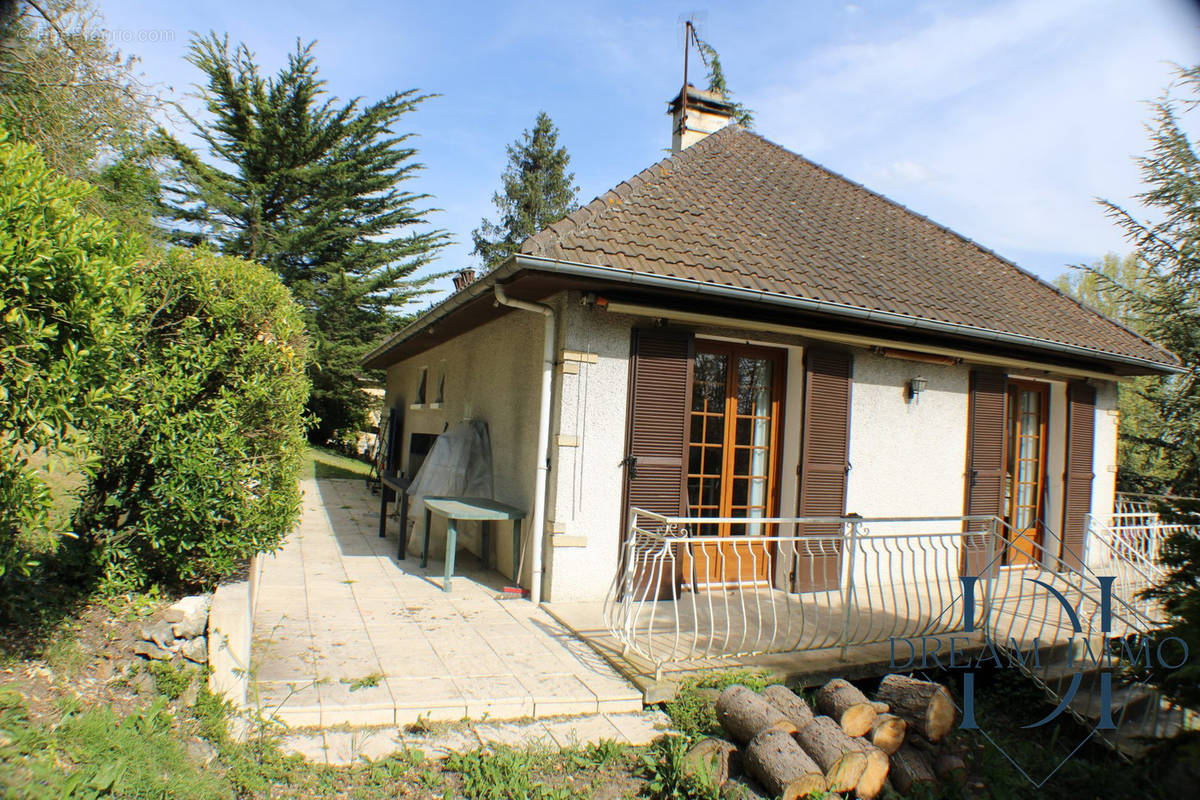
x=1003, y=120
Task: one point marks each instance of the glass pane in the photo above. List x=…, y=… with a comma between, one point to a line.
x=754, y=386
x=708, y=382
x=741, y=461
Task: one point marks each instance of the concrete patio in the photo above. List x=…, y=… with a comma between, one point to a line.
x=345, y=634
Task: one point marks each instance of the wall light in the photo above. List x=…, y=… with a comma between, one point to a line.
x=915, y=387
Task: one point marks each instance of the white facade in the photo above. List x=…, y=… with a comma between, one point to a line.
x=908, y=455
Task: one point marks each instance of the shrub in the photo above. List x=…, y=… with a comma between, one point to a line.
x=198, y=469
x=65, y=302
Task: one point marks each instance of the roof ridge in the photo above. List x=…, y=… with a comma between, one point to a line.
x=968, y=240
x=624, y=191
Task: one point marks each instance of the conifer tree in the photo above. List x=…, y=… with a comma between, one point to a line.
x=314, y=189
x=1166, y=299
x=538, y=191
x=717, y=83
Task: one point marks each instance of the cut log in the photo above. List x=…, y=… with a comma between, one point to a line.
x=910, y=767
x=926, y=706
x=835, y=753
x=790, y=704
x=849, y=707
x=713, y=761
x=744, y=715
x=921, y=743
x=887, y=732
x=782, y=767
x=951, y=769
x=874, y=776
x=882, y=708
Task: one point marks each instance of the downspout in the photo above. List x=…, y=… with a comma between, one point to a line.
x=537, y=520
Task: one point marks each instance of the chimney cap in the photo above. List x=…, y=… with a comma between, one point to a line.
x=701, y=100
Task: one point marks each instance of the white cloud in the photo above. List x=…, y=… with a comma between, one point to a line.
x=1003, y=122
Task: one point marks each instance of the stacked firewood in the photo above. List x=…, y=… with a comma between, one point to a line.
x=848, y=744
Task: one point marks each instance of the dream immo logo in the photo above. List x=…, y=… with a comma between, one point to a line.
x=950, y=652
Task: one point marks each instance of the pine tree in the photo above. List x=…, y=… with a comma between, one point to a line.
x=538, y=191
x=314, y=189
x=1167, y=300
x=1107, y=286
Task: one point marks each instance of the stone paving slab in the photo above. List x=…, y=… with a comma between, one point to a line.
x=339, y=747
x=346, y=634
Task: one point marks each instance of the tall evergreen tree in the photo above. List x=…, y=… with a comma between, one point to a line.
x=538, y=191
x=1166, y=298
x=1108, y=287
x=314, y=189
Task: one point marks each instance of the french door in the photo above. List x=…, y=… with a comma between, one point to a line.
x=1025, y=471
x=735, y=423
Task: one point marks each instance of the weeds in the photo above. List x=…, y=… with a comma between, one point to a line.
x=170, y=680
x=365, y=682
x=691, y=711
x=662, y=766
x=503, y=774
x=94, y=753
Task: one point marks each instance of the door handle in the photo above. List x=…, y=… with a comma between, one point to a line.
x=630, y=462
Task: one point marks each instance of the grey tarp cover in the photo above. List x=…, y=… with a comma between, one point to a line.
x=458, y=465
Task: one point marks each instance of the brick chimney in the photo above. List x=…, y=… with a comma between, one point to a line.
x=464, y=278
x=707, y=112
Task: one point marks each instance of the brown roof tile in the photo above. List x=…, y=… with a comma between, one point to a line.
x=738, y=210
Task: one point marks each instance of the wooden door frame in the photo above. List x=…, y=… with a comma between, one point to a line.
x=1043, y=389
x=778, y=358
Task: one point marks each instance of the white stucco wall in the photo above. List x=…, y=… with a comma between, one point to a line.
x=584, y=503
x=1104, y=455
x=492, y=373
x=907, y=459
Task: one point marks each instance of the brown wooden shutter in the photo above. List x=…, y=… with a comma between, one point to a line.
x=824, y=464
x=1077, y=502
x=657, y=436
x=986, y=426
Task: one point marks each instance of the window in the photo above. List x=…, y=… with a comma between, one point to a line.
x=420, y=401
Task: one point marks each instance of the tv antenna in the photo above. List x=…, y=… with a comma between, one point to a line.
x=689, y=38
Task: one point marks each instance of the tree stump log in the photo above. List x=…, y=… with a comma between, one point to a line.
x=783, y=768
x=875, y=774
x=744, y=715
x=926, y=706
x=849, y=707
x=950, y=769
x=910, y=767
x=790, y=704
x=887, y=732
x=880, y=707
x=835, y=753
x=713, y=760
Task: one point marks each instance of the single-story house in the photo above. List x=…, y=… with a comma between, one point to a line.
x=737, y=331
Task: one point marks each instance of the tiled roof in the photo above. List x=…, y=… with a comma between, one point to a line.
x=737, y=210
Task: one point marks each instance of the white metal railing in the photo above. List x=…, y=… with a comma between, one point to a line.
x=685, y=595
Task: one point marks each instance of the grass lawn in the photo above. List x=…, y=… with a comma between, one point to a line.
x=323, y=463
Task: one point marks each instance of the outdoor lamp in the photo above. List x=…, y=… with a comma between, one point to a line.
x=915, y=387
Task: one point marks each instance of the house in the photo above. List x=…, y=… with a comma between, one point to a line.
x=738, y=332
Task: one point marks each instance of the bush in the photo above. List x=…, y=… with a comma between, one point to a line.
x=197, y=470
x=65, y=302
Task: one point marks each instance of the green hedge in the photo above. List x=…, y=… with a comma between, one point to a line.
x=197, y=469
x=65, y=302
